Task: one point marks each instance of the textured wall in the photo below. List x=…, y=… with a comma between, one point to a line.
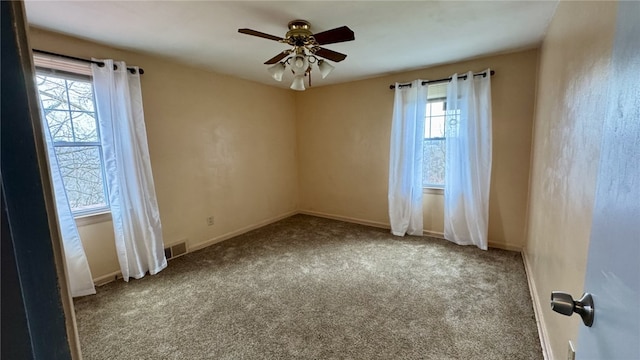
x=219, y=146
x=571, y=105
x=226, y=147
x=343, y=141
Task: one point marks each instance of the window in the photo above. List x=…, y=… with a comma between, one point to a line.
x=434, y=144
x=68, y=106
x=434, y=137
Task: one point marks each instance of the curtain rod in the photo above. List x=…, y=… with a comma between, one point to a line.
x=99, y=63
x=463, y=77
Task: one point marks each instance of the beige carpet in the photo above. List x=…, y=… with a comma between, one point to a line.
x=312, y=288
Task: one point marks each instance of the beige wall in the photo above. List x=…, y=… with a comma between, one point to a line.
x=219, y=146
x=343, y=141
x=574, y=66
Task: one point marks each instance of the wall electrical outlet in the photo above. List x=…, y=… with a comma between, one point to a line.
x=571, y=352
x=210, y=220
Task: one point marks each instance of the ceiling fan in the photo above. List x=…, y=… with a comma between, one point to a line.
x=305, y=50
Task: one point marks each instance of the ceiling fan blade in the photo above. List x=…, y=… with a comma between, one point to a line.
x=336, y=35
x=330, y=54
x=276, y=58
x=259, y=34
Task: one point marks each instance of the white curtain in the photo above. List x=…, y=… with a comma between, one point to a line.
x=134, y=208
x=468, y=160
x=80, y=279
x=405, y=159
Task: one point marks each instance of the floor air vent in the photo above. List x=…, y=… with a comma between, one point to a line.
x=176, y=250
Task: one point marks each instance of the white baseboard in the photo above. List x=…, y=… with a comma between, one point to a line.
x=439, y=235
x=502, y=246
x=346, y=219
x=435, y=234
x=537, y=310
x=240, y=231
x=105, y=279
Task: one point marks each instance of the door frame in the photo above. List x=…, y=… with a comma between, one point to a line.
x=31, y=215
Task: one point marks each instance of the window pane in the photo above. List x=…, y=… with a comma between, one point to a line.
x=437, y=108
x=80, y=95
x=434, y=157
x=82, y=176
x=437, y=126
x=59, y=124
x=53, y=92
x=84, y=127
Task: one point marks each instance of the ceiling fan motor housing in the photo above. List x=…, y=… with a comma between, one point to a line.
x=299, y=33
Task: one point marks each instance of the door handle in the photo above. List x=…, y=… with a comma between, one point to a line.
x=563, y=303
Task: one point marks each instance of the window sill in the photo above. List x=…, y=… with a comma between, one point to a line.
x=100, y=217
x=433, y=191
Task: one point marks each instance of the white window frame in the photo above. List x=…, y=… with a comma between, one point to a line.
x=433, y=188
x=78, y=72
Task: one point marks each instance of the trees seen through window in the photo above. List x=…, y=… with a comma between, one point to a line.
x=68, y=107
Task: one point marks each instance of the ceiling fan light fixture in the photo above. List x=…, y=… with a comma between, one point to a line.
x=299, y=64
x=305, y=49
x=277, y=71
x=298, y=83
x=325, y=68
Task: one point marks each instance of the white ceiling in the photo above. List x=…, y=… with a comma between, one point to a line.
x=391, y=36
